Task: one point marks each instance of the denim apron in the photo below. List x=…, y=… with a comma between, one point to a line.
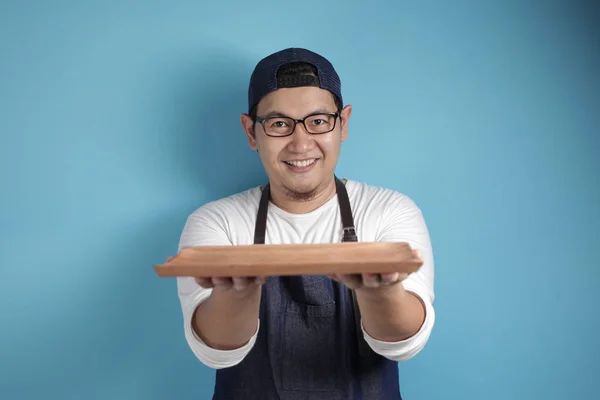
x=309, y=345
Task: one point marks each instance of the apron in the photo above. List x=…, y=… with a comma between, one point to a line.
x=309, y=345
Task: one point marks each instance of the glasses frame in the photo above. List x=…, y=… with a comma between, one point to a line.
x=335, y=116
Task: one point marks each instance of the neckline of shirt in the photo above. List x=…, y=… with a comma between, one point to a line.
x=332, y=202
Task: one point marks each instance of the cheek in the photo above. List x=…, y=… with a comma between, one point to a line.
x=329, y=144
x=271, y=149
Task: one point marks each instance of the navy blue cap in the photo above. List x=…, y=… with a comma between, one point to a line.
x=264, y=78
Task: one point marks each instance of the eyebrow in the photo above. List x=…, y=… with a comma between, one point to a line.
x=276, y=113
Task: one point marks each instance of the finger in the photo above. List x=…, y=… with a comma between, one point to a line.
x=260, y=280
x=206, y=283
x=222, y=283
x=170, y=258
x=241, y=283
x=388, y=279
x=371, y=280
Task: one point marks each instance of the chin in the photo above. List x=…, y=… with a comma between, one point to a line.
x=301, y=193
x=301, y=188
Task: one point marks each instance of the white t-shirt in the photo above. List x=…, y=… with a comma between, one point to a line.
x=380, y=215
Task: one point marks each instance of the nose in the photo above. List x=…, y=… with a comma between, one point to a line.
x=302, y=141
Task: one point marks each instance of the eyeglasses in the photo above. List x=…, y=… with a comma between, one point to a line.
x=315, y=124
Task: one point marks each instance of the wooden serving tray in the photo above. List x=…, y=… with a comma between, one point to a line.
x=294, y=259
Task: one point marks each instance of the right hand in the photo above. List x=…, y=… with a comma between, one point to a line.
x=238, y=284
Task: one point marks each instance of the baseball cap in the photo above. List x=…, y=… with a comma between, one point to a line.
x=264, y=77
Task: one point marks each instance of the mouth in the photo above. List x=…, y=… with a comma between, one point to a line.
x=301, y=165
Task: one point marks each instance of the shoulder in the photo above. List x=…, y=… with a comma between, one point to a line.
x=238, y=202
x=218, y=221
x=242, y=202
x=391, y=214
x=364, y=195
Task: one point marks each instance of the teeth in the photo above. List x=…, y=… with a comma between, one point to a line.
x=304, y=163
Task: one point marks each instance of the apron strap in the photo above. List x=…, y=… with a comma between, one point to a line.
x=260, y=227
x=346, y=212
x=350, y=236
x=260, y=230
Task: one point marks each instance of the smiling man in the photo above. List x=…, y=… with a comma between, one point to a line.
x=306, y=337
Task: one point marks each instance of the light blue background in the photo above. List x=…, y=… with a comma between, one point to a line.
x=118, y=119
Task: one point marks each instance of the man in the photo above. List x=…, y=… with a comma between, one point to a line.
x=306, y=337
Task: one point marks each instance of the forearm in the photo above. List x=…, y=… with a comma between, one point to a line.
x=227, y=320
x=390, y=314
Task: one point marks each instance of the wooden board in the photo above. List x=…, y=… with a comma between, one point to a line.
x=296, y=259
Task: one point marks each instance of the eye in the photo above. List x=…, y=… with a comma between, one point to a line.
x=278, y=123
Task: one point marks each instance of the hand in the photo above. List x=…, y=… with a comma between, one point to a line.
x=369, y=281
x=238, y=284
x=372, y=281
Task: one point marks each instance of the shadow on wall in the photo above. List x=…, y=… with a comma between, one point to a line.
x=209, y=149
x=210, y=141
x=142, y=352
x=117, y=332
x=205, y=94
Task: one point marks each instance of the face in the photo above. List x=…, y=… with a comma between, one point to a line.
x=315, y=155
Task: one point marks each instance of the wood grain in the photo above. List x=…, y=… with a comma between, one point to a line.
x=295, y=259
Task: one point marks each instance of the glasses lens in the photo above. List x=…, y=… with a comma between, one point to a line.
x=278, y=126
x=320, y=123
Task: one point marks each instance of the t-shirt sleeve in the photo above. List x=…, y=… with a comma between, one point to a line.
x=205, y=227
x=403, y=221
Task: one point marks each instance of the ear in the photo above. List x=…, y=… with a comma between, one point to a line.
x=248, y=126
x=344, y=118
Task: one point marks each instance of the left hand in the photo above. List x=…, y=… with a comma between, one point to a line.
x=369, y=281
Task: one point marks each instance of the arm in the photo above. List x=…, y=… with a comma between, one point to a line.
x=220, y=323
x=390, y=314
x=228, y=319
x=397, y=320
